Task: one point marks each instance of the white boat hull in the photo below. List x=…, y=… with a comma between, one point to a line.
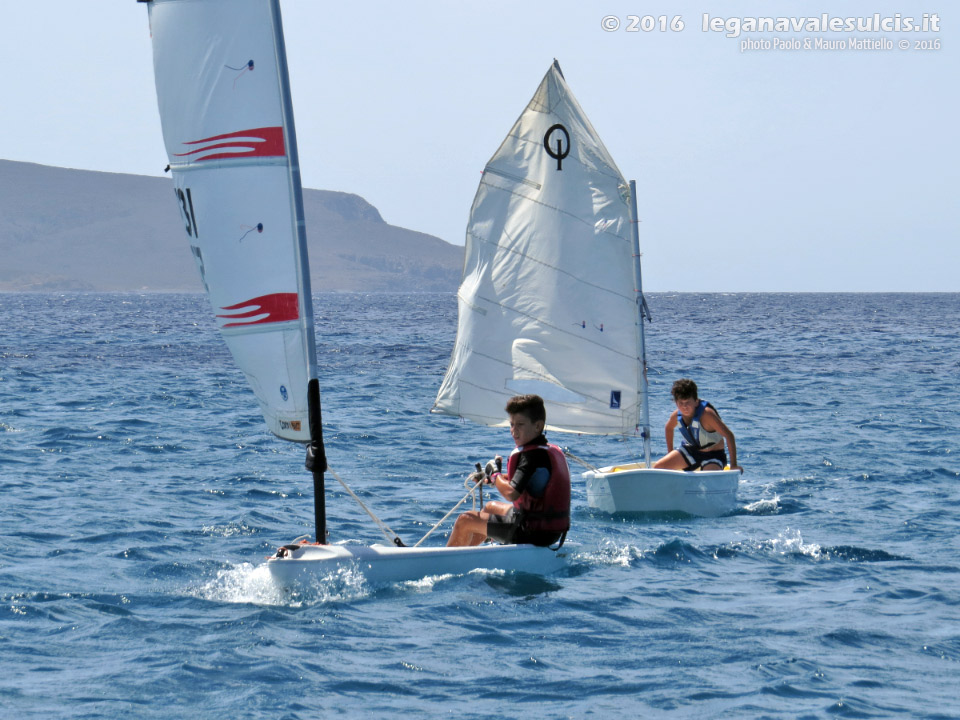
x=382, y=564
x=634, y=488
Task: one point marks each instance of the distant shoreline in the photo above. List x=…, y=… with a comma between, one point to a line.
x=56, y=237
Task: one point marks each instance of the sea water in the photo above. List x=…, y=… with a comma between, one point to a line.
x=140, y=493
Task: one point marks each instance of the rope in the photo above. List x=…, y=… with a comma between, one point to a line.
x=477, y=486
x=452, y=510
x=390, y=534
x=588, y=466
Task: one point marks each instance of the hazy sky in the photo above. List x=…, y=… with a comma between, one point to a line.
x=759, y=170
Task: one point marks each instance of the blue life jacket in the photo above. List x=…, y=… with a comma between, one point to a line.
x=691, y=434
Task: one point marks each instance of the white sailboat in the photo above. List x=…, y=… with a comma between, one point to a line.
x=227, y=118
x=551, y=303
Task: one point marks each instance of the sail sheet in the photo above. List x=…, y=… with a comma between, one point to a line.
x=548, y=301
x=221, y=82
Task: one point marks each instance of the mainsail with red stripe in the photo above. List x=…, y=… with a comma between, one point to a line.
x=228, y=130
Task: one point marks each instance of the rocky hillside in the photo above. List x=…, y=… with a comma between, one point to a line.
x=70, y=230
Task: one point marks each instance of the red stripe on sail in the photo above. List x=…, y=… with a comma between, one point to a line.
x=259, y=142
x=279, y=307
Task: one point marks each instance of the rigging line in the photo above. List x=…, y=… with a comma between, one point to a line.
x=390, y=534
x=543, y=204
x=531, y=258
x=559, y=329
x=588, y=466
x=452, y=510
x=475, y=306
x=532, y=371
x=556, y=209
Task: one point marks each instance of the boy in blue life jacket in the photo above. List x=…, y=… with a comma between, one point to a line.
x=537, y=484
x=703, y=433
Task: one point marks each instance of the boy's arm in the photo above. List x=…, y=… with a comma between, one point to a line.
x=504, y=487
x=503, y=483
x=668, y=430
x=720, y=426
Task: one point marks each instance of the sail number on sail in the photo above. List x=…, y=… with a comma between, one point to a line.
x=185, y=202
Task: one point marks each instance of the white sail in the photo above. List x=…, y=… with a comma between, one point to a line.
x=228, y=127
x=548, y=301
x=222, y=90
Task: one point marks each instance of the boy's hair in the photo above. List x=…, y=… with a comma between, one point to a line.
x=529, y=405
x=684, y=389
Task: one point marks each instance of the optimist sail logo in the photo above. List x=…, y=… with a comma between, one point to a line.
x=258, y=142
x=563, y=144
x=279, y=307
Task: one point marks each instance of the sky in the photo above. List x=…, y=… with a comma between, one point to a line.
x=759, y=168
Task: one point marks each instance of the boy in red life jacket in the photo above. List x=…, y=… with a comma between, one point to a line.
x=704, y=433
x=537, y=484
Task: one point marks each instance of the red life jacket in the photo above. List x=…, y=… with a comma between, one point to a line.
x=551, y=511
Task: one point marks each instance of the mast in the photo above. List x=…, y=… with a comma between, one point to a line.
x=642, y=312
x=223, y=92
x=316, y=460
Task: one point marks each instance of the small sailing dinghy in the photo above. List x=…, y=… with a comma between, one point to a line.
x=551, y=303
x=227, y=118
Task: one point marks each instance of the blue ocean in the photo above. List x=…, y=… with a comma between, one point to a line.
x=140, y=493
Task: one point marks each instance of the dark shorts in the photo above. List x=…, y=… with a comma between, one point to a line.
x=697, y=458
x=507, y=529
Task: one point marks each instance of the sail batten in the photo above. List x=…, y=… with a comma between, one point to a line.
x=547, y=303
x=188, y=166
x=223, y=95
